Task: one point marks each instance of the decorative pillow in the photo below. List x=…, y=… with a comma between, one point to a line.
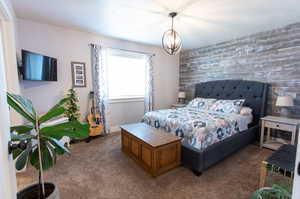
x=246, y=111
x=201, y=103
x=228, y=106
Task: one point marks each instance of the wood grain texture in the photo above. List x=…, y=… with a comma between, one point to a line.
x=150, y=135
x=263, y=174
x=155, y=151
x=272, y=56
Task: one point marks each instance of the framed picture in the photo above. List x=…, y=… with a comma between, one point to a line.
x=78, y=74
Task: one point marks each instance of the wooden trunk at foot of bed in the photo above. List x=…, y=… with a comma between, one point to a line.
x=155, y=160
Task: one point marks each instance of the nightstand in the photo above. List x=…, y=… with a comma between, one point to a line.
x=280, y=123
x=178, y=105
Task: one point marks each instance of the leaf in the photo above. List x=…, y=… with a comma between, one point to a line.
x=22, y=159
x=55, y=111
x=34, y=159
x=52, y=149
x=275, y=191
x=59, y=147
x=52, y=113
x=72, y=129
x=16, y=153
x=284, y=192
x=16, y=137
x=47, y=158
x=22, y=106
x=21, y=129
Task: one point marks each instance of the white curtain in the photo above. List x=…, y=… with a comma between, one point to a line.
x=149, y=84
x=100, y=83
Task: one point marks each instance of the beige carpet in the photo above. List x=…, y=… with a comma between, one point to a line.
x=100, y=170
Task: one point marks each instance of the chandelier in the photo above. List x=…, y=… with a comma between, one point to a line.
x=171, y=40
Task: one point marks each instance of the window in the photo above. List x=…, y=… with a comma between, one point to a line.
x=126, y=74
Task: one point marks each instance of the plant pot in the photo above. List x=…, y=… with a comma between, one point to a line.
x=32, y=191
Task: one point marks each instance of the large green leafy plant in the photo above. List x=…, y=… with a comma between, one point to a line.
x=274, y=192
x=42, y=141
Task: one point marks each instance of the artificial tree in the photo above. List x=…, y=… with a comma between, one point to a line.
x=72, y=109
x=42, y=142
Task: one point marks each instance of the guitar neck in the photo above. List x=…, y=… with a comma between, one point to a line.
x=93, y=106
x=94, y=110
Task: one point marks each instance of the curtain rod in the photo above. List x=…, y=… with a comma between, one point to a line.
x=134, y=51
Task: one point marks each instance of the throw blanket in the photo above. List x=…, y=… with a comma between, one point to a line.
x=201, y=128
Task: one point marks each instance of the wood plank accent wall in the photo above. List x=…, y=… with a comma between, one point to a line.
x=271, y=56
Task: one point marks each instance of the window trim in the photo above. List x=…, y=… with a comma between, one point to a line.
x=126, y=100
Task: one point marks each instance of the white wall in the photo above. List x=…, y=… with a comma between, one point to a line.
x=9, y=47
x=71, y=45
x=7, y=172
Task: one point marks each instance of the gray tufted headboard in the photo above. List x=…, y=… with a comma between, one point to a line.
x=255, y=94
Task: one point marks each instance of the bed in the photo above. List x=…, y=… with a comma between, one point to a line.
x=199, y=128
x=201, y=149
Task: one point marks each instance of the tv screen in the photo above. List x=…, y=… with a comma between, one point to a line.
x=38, y=67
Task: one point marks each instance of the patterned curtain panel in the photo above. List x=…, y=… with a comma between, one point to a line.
x=149, y=84
x=100, y=83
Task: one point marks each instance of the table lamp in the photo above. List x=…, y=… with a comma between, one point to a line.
x=284, y=102
x=181, y=97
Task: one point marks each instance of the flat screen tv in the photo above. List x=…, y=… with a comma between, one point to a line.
x=38, y=67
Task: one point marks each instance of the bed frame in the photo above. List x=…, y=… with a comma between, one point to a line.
x=255, y=95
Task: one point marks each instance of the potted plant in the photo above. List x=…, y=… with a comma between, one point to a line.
x=72, y=109
x=274, y=192
x=41, y=143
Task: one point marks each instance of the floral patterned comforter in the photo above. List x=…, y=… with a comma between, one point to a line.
x=201, y=128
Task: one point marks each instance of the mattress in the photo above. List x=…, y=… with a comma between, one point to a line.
x=200, y=128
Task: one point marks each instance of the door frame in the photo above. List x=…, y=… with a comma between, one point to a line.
x=8, y=186
x=296, y=184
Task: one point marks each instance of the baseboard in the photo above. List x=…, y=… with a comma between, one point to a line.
x=114, y=129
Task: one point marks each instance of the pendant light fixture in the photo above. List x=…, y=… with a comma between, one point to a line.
x=171, y=40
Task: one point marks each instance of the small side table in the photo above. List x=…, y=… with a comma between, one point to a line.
x=174, y=106
x=281, y=161
x=280, y=123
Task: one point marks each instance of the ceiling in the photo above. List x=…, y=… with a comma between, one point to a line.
x=199, y=22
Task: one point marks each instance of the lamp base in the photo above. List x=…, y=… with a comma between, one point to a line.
x=181, y=101
x=284, y=112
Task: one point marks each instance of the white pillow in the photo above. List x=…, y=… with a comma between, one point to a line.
x=201, y=103
x=246, y=111
x=228, y=106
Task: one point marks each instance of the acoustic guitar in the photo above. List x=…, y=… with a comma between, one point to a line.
x=94, y=119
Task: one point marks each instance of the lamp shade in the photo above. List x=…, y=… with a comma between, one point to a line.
x=181, y=94
x=284, y=101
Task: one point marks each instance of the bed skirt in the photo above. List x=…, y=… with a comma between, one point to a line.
x=198, y=161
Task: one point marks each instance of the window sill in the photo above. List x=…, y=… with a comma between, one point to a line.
x=126, y=100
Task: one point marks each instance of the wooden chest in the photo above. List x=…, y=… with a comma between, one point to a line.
x=154, y=150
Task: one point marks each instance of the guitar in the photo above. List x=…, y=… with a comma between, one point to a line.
x=94, y=119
